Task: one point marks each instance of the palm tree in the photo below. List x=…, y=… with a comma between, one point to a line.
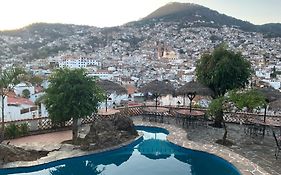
x=8, y=79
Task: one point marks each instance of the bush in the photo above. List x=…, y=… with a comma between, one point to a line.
x=23, y=129
x=12, y=131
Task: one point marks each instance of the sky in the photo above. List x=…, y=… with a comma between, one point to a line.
x=104, y=13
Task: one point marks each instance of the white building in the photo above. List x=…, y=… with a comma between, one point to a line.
x=114, y=100
x=71, y=61
x=18, y=108
x=263, y=74
x=22, y=86
x=102, y=74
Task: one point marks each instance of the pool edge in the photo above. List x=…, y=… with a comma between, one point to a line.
x=242, y=164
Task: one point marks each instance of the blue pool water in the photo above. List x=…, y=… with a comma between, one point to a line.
x=151, y=155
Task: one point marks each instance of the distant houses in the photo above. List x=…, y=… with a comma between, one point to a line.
x=18, y=107
x=72, y=61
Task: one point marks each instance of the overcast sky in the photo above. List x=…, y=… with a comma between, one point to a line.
x=18, y=13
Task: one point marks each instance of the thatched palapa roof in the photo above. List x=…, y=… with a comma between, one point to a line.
x=111, y=87
x=270, y=94
x=195, y=87
x=275, y=105
x=160, y=87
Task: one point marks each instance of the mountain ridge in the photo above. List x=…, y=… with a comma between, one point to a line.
x=183, y=12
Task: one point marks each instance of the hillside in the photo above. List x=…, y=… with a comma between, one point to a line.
x=203, y=16
x=40, y=40
x=43, y=40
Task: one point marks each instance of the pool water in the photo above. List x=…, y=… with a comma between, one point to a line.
x=151, y=155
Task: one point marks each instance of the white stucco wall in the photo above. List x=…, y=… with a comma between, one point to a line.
x=22, y=86
x=13, y=113
x=114, y=98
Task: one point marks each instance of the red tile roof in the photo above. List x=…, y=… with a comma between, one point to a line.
x=19, y=101
x=131, y=89
x=38, y=89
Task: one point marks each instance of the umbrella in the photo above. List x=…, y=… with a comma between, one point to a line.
x=195, y=87
x=111, y=87
x=270, y=95
x=191, y=89
x=158, y=88
x=155, y=149
x=275, y=105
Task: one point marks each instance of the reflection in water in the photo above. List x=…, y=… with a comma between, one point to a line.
x=85, y=167
x=155, y=149
x=93, y=165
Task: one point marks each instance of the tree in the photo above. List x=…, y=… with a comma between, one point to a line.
x=250, y=99
x=216, y=109
x=8, y=79
x=223, y=70
x=26, y=93
x=33, y=79
x=36, y=80
x=72, y=95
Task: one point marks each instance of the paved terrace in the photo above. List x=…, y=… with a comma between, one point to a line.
x=249, y=155
x=202, y=138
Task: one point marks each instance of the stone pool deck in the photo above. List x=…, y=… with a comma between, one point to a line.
x=252, y=156
x=179, y=135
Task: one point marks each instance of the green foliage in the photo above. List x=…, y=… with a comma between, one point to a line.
x=8, y=78
x=223, y=70
x=13, y=130
x=71, y=94
x=250, y=99
x=40, y=100
x=23, y=128
x=26, y=93
x=216, y=107
x=36, y=80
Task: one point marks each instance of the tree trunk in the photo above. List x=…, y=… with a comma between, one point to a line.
x=74, y=130
x=218, y=121
x=2, y=120
x=225, y=133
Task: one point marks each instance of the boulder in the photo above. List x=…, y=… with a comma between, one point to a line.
x=10, y=153
x=108, y=132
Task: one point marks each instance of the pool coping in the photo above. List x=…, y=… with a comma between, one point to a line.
x=178, y=135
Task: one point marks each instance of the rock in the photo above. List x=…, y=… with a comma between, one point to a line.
x=108, y=132
x=125, y=124
x=10, y=153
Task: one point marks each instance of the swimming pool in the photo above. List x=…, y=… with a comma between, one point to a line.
x=151, y=155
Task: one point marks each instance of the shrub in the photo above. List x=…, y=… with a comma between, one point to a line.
x=23, y=128
x=12, y=131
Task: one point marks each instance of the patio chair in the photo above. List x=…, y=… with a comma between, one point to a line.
x=278, y=145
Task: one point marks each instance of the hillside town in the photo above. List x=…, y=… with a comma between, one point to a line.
x=186, y=89
x=134, y=56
